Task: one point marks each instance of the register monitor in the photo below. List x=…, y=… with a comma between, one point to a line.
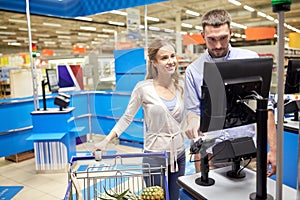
x=52, y=80
x=292, y=82
x=227, y=89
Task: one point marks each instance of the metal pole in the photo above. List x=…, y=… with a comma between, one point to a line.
x=32, y=61
x=146, y=26
x=280, y=105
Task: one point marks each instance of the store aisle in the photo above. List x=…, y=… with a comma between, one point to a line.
x=43, y=186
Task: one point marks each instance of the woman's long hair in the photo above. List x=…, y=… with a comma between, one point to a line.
x=152, y=71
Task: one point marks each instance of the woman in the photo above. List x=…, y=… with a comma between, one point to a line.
x=161, y=96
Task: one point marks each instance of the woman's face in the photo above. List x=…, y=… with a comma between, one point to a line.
x=166, y=60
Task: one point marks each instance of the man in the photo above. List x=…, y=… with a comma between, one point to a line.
x=217, y=33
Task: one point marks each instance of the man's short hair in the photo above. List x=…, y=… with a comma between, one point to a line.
x=216, y=18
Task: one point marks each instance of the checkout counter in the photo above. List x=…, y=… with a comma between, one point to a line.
x=233, y=188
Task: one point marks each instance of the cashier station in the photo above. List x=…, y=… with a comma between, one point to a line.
x=236, y=181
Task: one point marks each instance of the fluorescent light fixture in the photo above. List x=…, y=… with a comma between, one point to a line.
x=94, y=42
x=82, y=38
x=63, y=32
x=238, y=25
x=244, y=36
x=268, y=17
x=118, y=12
x=183, y=32
x=25, y=29
x=45, y=39
x=250, y=9
x=152, y=19
x=237, y=3
x=102, y=35
x=7, y=33
x=84, y=19
x=237, y=35
x=51, y=24
x=3, y=27
x=116, y=23
x=88, y=28
x=14, y=44
x=22, y=38
x=108, y=30
x=41, y=35
x=261, y=14
x=199, y=28
x=276, y=21
x=17, y=21
x=84, y=34
x=8, y=40
x=153, y=28
x=63, y=37
x=186, y=25
x=49, y=42
x=169, y=30
x=190, y=12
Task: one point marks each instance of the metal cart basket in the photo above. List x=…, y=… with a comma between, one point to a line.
x=114, y=174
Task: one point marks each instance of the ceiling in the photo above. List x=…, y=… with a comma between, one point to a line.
x=13, y=28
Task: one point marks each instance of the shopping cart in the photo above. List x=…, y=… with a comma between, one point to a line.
x=115, y=174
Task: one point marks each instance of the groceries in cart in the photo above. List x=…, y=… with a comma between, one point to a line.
x=118, y=177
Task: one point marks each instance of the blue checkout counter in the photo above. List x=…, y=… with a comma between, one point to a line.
x=92, y=112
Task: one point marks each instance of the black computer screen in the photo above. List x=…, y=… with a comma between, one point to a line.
x=292, y=82
x=52, y=80
x=227, y=85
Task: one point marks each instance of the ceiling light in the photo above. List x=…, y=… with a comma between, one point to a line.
x=102, y=35
x=108, y=30
x=84, y=19
x=8, y=40
x=237, y=3
x=118, y=12
x=17, y=21
x=15, y=44
x=190, y=12
x=63, y=37
x=51, y=24
x=7, y=33
x=49, y=42
x=82, y=38
x=152, y=28
x=169, y=30
x=152, y=19
x=41, y=35
x=3, y=27
x=116, y=23
x=183, y=32
x=88, y=28
x=268, y=17
x=25, y=29
x=63, y=32
x=186, y=25
x=238, y=25
x=22, y=38
x=250, y=9
x=84, y=34
x=261, y=14
x=199, y=28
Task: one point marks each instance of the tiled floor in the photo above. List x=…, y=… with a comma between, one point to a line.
x=44, y=186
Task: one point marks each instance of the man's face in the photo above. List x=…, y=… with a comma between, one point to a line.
x=217, y=40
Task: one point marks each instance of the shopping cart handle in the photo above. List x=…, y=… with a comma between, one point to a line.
x=127, y=155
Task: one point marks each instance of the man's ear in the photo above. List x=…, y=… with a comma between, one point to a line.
x=203, y=35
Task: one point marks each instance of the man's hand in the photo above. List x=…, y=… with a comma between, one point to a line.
x=193, y=125
x=271, y=159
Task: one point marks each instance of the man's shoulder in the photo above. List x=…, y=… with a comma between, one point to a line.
x=237, y=52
